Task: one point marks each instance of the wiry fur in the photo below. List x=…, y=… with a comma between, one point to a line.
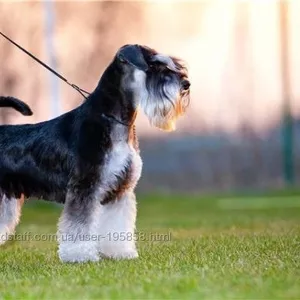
x=89, y=159
x=167, y=90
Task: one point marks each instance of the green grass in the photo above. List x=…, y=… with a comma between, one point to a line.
x=214, y=248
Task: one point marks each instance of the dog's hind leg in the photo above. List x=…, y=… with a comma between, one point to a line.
x=10, y=212
x=117, y=228
x=77, y=234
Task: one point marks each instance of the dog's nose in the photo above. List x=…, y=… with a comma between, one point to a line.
x=185, y=84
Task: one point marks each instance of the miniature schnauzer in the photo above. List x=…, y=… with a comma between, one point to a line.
x=89, y=159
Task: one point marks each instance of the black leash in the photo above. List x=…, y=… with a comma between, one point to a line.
x=74, y=86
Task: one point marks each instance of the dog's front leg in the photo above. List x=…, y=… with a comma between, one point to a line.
x=77, y=229
x=116, y=228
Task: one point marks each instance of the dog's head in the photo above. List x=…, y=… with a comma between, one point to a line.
x=157, y=82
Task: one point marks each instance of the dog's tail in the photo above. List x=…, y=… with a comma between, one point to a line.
x=17, y=104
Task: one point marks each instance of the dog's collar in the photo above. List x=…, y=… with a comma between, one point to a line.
x=111, y=118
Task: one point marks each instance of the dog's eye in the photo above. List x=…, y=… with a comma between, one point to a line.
x=185, y=85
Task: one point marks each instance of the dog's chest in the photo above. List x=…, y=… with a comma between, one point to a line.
x=120, y=172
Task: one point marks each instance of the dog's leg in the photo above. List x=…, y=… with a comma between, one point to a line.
x=77, y=231
x=10, y=212
x=117, y=228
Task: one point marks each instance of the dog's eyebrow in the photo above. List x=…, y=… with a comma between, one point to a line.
x=165, y=60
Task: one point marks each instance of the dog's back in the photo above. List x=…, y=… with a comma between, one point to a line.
x=35, y=159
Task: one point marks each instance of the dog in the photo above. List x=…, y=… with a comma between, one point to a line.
x=88, y=158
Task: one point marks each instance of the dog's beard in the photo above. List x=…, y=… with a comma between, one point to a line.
x=163, y=105
x=160, y=94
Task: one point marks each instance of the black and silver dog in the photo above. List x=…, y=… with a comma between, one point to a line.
x=88, y=158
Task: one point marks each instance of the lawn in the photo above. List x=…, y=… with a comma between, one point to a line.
x=190, y=248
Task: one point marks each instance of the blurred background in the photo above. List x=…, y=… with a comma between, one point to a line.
x=242, y=130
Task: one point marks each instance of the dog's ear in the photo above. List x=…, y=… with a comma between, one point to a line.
x=133, y=55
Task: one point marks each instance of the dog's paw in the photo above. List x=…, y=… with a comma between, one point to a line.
x=3, y=238
x=121, y=255
x=78, y=258
x=77, y=254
